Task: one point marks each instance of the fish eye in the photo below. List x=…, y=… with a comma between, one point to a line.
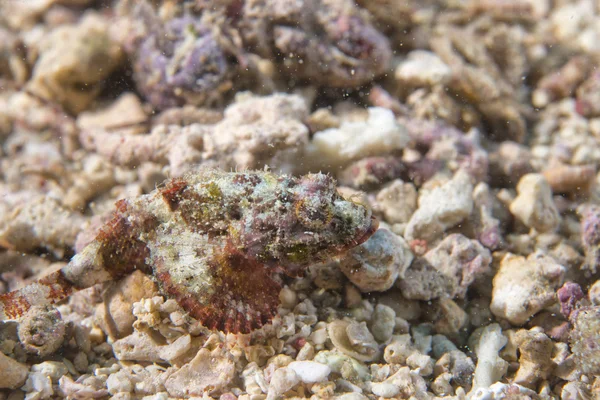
x=313, y=214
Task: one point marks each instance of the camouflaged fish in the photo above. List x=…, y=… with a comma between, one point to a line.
x=213, y=241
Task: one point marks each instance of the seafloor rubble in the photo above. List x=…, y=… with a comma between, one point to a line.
x=471, y=129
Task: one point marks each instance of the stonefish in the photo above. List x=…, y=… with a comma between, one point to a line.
x=213, y=241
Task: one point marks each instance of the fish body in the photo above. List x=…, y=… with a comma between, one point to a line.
x=213, y=241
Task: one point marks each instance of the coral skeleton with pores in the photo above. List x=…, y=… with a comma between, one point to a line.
x=213, y=241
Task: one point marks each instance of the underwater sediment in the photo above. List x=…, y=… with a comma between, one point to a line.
x=319, y=199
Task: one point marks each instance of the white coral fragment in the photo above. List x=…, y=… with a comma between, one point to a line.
x=422, y=68
x=379, y=134
x=487, y=342
x=207, y=372
x=310, y=371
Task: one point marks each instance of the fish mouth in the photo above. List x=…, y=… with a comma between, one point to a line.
x=371, y=229
x=360, y=239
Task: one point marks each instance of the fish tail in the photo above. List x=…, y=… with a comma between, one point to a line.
x=50, y=289
x=83, y=271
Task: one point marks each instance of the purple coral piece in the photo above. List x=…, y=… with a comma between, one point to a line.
x=588, y=97
x=568, y=296
x=422, y=170
x=336, y=48
x=491, y=237
x=590, y=235
x=590, y=226
x=179, y=64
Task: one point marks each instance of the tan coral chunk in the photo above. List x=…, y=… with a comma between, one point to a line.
x=534, y=205
x=76, y=56
x=524, y=286
x=353, y=339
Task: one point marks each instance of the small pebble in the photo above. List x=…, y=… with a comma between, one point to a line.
x=14, y=374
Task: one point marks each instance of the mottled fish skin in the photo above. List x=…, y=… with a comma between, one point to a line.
x=213, y=241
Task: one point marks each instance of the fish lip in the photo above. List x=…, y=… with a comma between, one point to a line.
x=368, y=232
x=371, y=229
